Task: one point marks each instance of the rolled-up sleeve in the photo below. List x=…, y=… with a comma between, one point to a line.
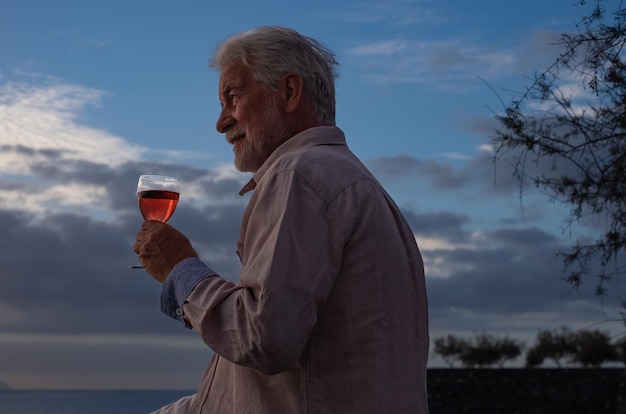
x=181, y=281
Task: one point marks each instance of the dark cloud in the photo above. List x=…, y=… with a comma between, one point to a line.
x=67, y=273
x=121, y=181
x=513, y=269
x=63, y=272
x=479, y=176
x=509, y=271
x=60, y=270
x=78, y=171
x=440, y=175
x=539, y=51
x=445, y=225
x=523, y=238
x=51, y=154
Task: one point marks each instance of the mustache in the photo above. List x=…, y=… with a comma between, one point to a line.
x=234, y=135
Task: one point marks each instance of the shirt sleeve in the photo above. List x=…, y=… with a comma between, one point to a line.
x=181, y=281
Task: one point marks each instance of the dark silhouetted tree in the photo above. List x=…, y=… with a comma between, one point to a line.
x=509, y=350
x=534, y=358
x=481, y=353
x=450, y=348
x=567, y=133
x=489, y=350
x=593, y=348
x=620, y=348
x=556, y=345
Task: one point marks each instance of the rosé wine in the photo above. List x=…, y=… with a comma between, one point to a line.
x=157, y=204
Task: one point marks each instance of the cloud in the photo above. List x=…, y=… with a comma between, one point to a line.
x=443, y=225
x=454, y=65
x=389, y=47
x=478, y=173
x=441, y=175
x=508, y=281
x=44, y=118
x=40, y=131
x=433, y=56
x=468, y=174
x=51, y=160
x=69, y=217
x=541, y=48
x=392, y=12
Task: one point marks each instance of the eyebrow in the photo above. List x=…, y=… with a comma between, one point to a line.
x=228, y=86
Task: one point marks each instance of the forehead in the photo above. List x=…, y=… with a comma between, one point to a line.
x=235, y=74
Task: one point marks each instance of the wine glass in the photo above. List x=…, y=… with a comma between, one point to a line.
x=158, y=197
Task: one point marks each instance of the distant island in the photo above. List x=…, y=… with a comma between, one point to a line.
x=4, y=386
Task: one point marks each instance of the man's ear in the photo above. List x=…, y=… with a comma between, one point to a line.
x=293, y=91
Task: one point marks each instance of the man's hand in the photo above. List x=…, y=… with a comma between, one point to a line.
x=160, y=247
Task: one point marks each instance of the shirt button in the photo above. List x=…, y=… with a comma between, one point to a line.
x=179, y=311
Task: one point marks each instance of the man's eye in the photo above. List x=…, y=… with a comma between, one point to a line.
x=233, y=96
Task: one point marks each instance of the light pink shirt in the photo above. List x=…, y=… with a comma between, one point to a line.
x=330, y=311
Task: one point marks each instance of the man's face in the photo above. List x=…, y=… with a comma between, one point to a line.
x=250, y=117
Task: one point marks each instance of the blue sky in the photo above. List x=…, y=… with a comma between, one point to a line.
x=92, y=94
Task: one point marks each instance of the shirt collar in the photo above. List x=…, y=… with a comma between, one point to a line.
x=322, y=135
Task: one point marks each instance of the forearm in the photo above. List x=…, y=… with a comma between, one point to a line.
x=235, y=322
x=249, y=327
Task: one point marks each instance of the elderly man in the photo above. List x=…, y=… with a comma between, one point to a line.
x=330, y=311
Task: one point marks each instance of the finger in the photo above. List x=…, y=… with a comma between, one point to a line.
x=137, y=247
x=152, y=224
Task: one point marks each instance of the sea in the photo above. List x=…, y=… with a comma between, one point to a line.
x=85, y=402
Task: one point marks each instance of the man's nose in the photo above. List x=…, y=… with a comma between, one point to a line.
x=225, y=121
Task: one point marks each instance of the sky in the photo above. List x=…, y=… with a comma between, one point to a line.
x=93, y=94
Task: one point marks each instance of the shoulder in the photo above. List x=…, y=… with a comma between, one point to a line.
x=329, y=169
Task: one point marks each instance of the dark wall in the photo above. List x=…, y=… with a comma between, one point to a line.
x=527, y=391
